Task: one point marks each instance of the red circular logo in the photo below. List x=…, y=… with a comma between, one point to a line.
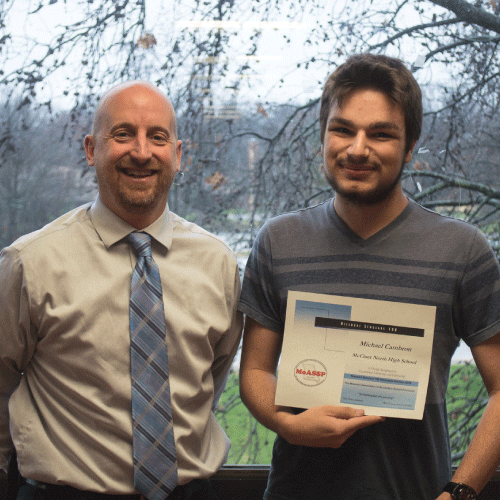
x=310, y=372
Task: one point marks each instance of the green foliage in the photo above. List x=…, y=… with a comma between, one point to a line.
x=251, y=442
x=466, y=398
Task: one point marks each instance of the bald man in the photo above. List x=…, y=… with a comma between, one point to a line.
x=65, y=361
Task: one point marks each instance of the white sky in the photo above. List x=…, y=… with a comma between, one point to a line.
x=277, y=58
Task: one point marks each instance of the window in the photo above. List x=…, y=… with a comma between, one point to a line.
x=245, y=79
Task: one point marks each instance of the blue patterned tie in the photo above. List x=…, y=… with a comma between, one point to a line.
x=155, y=466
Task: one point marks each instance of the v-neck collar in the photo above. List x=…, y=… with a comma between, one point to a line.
x=379, y=235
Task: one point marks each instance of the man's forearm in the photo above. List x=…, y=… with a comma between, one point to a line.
x=483, y=454
x=258, y=390
x=321, y=426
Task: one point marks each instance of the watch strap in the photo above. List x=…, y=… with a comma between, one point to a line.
x=460, y=491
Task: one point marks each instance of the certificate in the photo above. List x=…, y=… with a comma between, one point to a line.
x=344, y=351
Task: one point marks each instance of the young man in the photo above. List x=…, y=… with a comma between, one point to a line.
x=371, y=242
x=97, y=406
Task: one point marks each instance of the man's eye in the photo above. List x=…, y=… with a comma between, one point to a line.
x=341, y=130
x=122, y=134
x=160, y=138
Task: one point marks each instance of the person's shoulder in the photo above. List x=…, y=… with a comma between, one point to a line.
x=191, y=233
x=302, y=216
x=440, y=221
x=53, y=231
x=448, y=233
x=299, y=224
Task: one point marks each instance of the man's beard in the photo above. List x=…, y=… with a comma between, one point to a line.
x=374, y=197
x=140, y=201
x=138, y=204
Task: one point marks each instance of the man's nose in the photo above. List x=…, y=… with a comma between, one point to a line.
x=359, y=146
x=141, y=149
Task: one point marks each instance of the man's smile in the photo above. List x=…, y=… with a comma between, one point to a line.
x=137, y=173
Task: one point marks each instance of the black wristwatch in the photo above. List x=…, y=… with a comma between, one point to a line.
x=460, y=491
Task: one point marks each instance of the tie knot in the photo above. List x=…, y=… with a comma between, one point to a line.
x=141, y=243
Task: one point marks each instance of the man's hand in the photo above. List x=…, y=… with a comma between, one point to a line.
x=324, y=426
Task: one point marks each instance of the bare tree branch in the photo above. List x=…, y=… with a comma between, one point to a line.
x=413, y=29
x=471, y=14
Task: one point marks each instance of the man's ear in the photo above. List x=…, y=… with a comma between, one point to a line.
x=409, y=154
x=89, y=149
x=178, y=155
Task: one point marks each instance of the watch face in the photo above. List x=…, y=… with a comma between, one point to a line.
x=463, y=492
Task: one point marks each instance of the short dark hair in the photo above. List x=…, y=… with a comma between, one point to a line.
x=378, y=72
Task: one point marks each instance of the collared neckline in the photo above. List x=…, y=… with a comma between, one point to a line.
x=111, y=228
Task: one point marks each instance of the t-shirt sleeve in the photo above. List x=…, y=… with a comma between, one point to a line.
x=259, y=296
x=477, y=316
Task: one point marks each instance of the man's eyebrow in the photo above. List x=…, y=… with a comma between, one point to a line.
x=128, y=125
x=385, y=125
x=117, y=126
x=341, y=121
x=375, y=125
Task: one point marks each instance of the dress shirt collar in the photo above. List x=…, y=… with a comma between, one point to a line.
x=112, y=228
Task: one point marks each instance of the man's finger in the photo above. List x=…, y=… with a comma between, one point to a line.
x=356, y=423
x=345, y=412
